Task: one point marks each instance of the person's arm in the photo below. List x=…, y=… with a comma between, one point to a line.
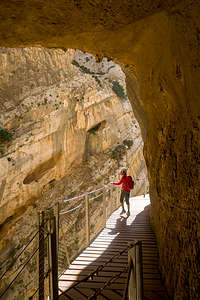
x=117, y=183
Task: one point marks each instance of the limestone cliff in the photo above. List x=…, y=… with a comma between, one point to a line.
x=60, y=115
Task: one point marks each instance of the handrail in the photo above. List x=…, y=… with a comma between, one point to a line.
x=83, y=195
x=70, y=210
x=84, y=208
x=96, y=197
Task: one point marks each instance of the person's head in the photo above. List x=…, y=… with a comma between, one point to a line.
x=123, y=172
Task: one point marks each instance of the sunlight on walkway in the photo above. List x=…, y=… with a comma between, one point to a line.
x=92, y=256
x=137, y=205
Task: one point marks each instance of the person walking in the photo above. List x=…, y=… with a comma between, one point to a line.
x=127, y=183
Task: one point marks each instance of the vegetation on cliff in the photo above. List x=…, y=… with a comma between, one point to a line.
x=5, y=136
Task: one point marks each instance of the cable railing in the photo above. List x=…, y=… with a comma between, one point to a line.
x=19, y=278
x=80, y=219
x=23, y=266
x=64, y=230
x=17, y=257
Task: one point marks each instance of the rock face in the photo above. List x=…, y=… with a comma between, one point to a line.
x=60, y=117
x=157, y=43
x=67, y=127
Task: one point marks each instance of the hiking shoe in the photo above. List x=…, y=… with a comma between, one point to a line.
x=128, y=213
x=122, y=212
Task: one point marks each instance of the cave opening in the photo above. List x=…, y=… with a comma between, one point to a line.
x=71, y=128
x=159, y=45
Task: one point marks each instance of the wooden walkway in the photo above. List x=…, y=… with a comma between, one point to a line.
x=113, y=238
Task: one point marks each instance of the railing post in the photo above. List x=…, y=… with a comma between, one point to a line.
x=65, y=245
x=57, y=224
x=104, y=208
x=134, y=284
x=117, y=197
x=132, y=292
x=40, y=258
x=139, y=271
x=87, y=220
x=53, y=258
x=112, y=200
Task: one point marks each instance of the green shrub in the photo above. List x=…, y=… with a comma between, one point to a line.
x=82, y=68
x=75, y=63
x=118, y=152
x=118, y=89
x=5, y=135
x=1, y=149
x=100, y=73
x=86, y=70
x=128, y=143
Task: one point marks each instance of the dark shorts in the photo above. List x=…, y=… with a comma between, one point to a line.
x=125, y=196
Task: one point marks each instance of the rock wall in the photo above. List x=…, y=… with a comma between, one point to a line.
x=157, y=42
x=60, y=116
x=68, y=130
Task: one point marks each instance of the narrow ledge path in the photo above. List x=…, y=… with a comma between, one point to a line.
x=119, y=231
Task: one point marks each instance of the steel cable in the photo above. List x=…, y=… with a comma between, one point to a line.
x=83, y=195
x=21, y=269
x=19, y=254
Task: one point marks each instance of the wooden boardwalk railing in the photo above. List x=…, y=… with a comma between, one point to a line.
x=109, y=282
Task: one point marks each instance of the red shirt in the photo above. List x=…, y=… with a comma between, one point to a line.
x=123, y=181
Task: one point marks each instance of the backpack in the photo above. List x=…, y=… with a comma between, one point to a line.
x=130, y=182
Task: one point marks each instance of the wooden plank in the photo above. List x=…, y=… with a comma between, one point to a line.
x=100, y=279
x=109, y=273
x=110, y=254
x=86, y=263
x=117, y=249
x=93, y=267
x=76, y=294
x=112, y=294
x=115, y=286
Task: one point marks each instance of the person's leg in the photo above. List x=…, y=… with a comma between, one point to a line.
x=122, y=201
x=127, y=202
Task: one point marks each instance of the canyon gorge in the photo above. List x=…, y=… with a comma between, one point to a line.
x=67, y=127
x=157, y=44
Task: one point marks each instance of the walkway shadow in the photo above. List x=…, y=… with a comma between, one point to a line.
x=121, y=223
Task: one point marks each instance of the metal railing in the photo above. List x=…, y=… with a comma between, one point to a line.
x=38, y=254
x=64, y=230
x=134, y=284
x=81, y=218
